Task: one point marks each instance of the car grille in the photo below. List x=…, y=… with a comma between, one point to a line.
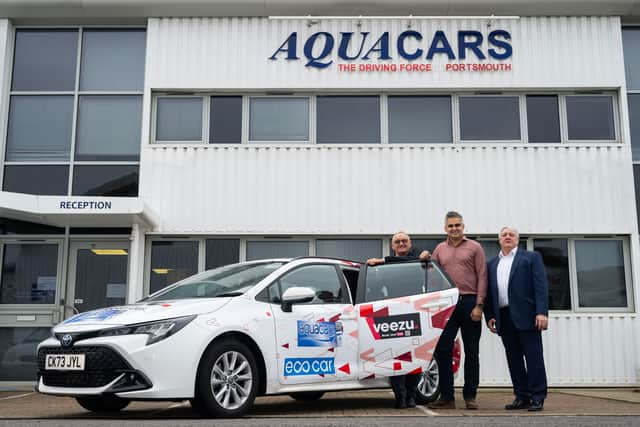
x=102, y=365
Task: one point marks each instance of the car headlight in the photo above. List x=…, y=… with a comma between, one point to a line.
x=156, y=331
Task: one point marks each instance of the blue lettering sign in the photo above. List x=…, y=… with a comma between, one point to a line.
x=474, y=44
x=85, y=204
x=314, y=60
x=401, y=49
x=317, y=334
x=502, y=44
x=309, y=366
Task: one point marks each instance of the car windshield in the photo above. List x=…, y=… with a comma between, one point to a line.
x=228, y=281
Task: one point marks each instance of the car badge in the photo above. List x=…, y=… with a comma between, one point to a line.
x=67, y=340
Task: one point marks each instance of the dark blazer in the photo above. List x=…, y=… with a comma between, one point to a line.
x=528, y=290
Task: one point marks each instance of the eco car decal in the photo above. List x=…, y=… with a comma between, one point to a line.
x=399, y=326
x=309, y=366
x=317, y=334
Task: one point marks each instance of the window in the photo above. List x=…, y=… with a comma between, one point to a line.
x=225, y=120
x=323, y=279
x=349, y=249
x=543, y=118
x=106, y=180
x=43, y=112
x=39, y=128
x=19, y=346
x=555, y=255
x=590, y=117
x=45, y=60
x=276, y=249
x=98, y=138
x=29, y=273
x=631, y=47
x=419, y=119
x=348, y=120
x=221, y=252
x=489, y=118
x=279, y=119
x=112, y=60
x=49, y=180
x=179, y=119
x=600, y=271
x=634, y=123
x=172, y=261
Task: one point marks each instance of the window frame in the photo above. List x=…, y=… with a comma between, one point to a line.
x=76, y=93
x=247, y=134
x=564, y=117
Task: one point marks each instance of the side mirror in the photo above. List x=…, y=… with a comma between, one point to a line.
x=296, y=295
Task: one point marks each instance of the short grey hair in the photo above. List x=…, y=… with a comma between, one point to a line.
x=508, y=227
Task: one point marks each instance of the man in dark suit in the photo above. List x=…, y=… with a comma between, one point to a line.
x=517, y=308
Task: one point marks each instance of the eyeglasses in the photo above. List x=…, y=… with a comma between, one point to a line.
x=397, y=242
x=454, y=225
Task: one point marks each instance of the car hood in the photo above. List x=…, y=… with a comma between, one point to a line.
x=139, y=313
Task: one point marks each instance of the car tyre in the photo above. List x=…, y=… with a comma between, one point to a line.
x=227, y=381
x=103, y=404
x=428, y=386
x=306, y=396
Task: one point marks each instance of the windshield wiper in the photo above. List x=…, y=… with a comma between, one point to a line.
x=229, y=294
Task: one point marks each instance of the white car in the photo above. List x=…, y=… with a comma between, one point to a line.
x=222, y=337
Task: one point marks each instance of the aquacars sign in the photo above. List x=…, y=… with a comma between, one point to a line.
x=318, y=47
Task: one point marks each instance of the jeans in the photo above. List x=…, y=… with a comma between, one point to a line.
x=471, y=330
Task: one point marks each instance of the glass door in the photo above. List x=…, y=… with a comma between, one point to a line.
x=97, y=275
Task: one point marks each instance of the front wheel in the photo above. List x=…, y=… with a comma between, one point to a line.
x=428, y=386
x=102, y=404
x=227, y=381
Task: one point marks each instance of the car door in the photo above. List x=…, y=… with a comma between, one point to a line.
x=402, y=310
x=315, y=341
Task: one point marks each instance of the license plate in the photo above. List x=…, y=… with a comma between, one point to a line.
x=64, y=362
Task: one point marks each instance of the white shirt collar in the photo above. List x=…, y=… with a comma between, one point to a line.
x=511, y=254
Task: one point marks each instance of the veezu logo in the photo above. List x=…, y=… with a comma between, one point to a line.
x=400, y=326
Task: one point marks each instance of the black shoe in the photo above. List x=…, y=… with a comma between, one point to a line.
x=535, y=406
x=411, y=402
x=400, y=404
x=517, y=404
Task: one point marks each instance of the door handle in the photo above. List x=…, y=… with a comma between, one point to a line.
x=432, y=305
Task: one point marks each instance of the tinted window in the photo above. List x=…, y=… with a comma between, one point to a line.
x=226, y=120
x=590, y=118
x=47, y=180
x=39, y=128
x=171, y=262
x=19, y=361
x=45, y=60
x=279, y=119
x=600, y=268
x=543, y=118
x=555, y=255
x=349, y=249
x=323, y=279
x=267, y=249
x=29, y=273
x=222, y=252
x=634, y=123
x=631, y=47
x=13, y=226
x=98, y=138
x=112, y=60
x=489, y=118
x=402, y=279
x=179, y=119
x=419, y=119
x=424, y=244
x=348, y=119
x=115, y=181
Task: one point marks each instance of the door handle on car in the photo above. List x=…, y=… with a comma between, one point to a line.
x=432, y=305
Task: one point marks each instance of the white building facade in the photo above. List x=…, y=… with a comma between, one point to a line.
x=144, y=144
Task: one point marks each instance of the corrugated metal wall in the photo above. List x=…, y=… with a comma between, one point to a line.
x=319, y=189
x=579, y=350
x=228, y=53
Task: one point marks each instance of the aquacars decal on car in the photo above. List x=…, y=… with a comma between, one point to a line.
x=317, y=334
x=98, y=315
x=309, y=366
x=400, y=326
